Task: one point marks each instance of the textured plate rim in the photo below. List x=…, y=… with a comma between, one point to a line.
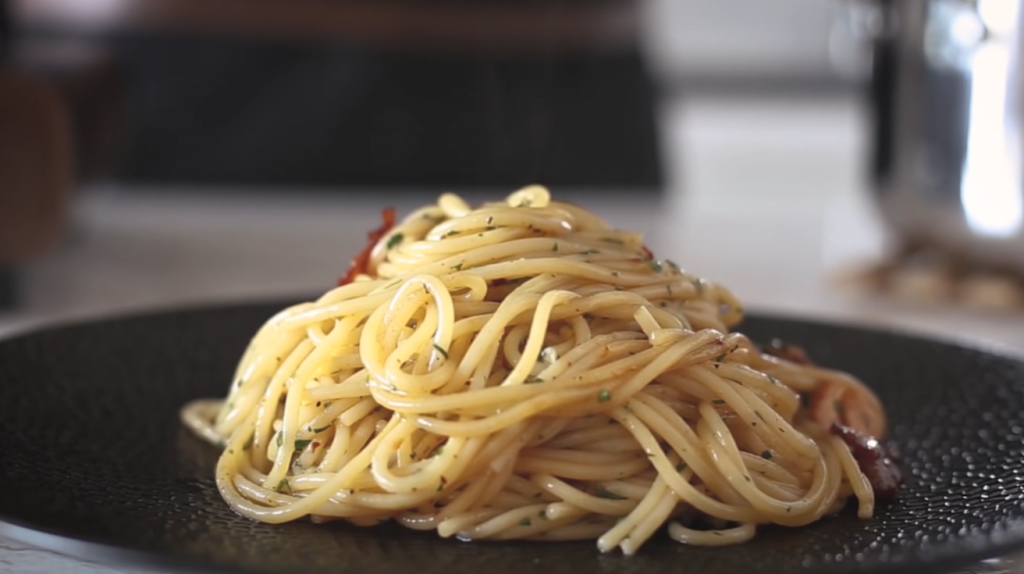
x=943, y=558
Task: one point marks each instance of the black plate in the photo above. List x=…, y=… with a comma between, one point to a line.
x=91, y=450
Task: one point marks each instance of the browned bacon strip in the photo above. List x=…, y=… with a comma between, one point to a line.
x=874, y=460
x=360, y=261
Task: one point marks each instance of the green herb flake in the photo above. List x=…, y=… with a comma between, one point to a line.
x=601, y=492
x=450, y=233
x=681, y=467
x=394, y=240
x=327, y=404
x=280, y=438
x=590, y=252
x=301, y=444
x=439, y=451
x=718, y=401
x=615, y=273
x=838, y=407
x=525, y=203
x=248, y=443
x=533, y=380
x=655, y=266
x=321, y=429
x=720, y=358
x=554, y=247
x=283, y=486
x=767, y=455
x=525, y=521
x=773, y=380
x=542, y=514
x=613, y=240
x=442, y=350
x=221, y=445
x=604, y=396
x=458, y=266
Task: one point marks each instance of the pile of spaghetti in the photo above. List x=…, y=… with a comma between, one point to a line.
x=523, y=370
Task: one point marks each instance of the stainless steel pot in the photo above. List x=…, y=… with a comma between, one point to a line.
x=948, y=149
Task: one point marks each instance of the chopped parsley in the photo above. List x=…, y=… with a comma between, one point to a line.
x=301, y=444
x=601, y=492
x=280, y=438
x=554, y=247
x=720, y=358
x=681, y=467
x=613, y=240
x=248, y=443
x=321, y=429
x=655, y=266
x=450, y=233
x=719, y=401
x=837, y=406
x=604, y=396
x=394, y=240
x=283, y=486
x=221, y=445
x=525, y=521
x=439, y=451
x=441, y=350
x=767, y=455
x=458, y=266
x=589, y=252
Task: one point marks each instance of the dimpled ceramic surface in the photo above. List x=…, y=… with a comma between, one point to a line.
x=92, y=450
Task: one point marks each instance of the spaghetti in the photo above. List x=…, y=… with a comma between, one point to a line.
x=522, y=370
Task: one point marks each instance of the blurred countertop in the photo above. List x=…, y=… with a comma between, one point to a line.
x=766, y=196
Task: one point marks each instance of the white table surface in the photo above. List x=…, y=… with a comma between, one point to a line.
x=766, y=196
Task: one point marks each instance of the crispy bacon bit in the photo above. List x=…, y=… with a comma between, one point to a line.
x=791, y=353
x=360, y=261
x=874, y=460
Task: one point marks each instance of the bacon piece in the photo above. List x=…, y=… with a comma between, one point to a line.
x=874, y=460
x=360, y=261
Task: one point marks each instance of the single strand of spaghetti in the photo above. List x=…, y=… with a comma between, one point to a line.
x=722, y=537
x=683, y=489
x=858, y=482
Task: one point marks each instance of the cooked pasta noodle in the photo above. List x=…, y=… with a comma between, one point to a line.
x=523, y=370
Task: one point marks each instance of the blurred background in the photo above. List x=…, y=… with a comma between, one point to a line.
x=847, y=160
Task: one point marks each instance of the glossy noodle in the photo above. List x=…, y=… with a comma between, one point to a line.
x=522, y=370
